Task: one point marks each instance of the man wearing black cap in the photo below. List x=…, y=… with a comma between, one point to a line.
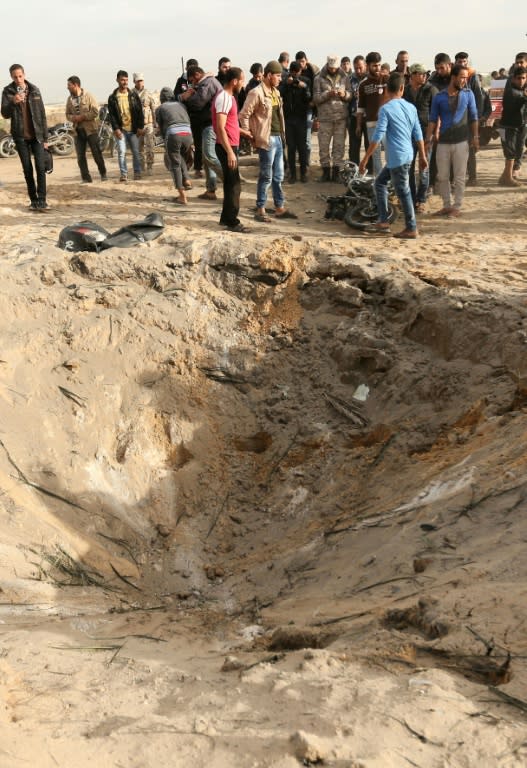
x=420, y=93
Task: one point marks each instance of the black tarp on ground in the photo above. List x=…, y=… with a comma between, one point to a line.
x=88, y=236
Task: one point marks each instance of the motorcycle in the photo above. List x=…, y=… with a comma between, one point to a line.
x=105, y=135
x=60, y=141
x=358, y=205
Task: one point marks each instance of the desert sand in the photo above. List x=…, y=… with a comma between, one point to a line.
x=262, y=497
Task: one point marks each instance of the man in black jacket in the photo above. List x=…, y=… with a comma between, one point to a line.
x=420, y=93
x=23, y=105
x=203, y=88
x=296, y=96
x=127, y=118
x=513, y=125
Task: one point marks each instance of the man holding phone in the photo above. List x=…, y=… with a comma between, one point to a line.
x=22, y=104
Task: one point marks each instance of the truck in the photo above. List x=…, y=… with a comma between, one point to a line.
x=488, y=128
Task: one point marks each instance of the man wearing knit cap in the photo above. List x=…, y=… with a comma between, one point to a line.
x=262, y=118
x=146, y=137
x=420, y=93
x=331, y=94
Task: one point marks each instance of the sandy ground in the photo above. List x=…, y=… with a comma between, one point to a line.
x=262, y=497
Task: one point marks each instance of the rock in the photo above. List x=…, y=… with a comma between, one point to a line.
x=423, y=616
x=308, y=747
x=295, y=638
x=420, y=564
x=231, y=664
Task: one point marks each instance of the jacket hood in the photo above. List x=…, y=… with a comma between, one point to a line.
x=324, y=72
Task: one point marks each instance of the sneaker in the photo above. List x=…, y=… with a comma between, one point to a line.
x=33, y=206
x=207, y=196
x=238, y=228
x=303, y=178
x=87, y=181
x=124, y=178
x=104, y=177
x=137, y=177
x=42, y=206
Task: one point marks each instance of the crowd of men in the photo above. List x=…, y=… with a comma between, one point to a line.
x=425, y=123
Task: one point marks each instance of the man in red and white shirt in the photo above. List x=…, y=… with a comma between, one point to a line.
x=224, y=113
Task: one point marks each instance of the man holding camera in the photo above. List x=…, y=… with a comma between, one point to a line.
x=23, y=105
x=331, y=94
x=296, y=97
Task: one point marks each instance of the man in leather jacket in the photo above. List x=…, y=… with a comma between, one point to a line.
x=127, y=118
x=22, y=103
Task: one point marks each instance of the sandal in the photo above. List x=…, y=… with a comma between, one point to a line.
x=263, y=218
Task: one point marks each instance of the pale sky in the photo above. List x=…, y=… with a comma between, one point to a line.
x=94, y=39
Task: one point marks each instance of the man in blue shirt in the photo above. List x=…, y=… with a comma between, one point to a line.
x=455, y=109
x=398, y=124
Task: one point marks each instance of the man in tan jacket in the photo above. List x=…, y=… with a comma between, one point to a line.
x=262, y=118
x=83, y=111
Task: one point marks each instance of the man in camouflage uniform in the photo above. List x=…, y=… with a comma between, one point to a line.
x=331, y=94
x=146, y=139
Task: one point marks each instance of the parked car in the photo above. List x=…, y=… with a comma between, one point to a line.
x=489, y=125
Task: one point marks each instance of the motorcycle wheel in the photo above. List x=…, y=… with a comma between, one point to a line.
x=63, y=145
x=104, y=141
x=7, y=147
x=363, y=216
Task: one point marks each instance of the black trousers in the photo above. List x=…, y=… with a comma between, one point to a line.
x=231, y=188
x=26, y=148
x=356, y=141
x=197, y=134
x=82, y=140
x=296, y=140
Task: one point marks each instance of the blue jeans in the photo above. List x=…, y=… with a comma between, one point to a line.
x=210, y=158
x=130, y=138
x=308, y=134
x=271, y=173
x=401, y=185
